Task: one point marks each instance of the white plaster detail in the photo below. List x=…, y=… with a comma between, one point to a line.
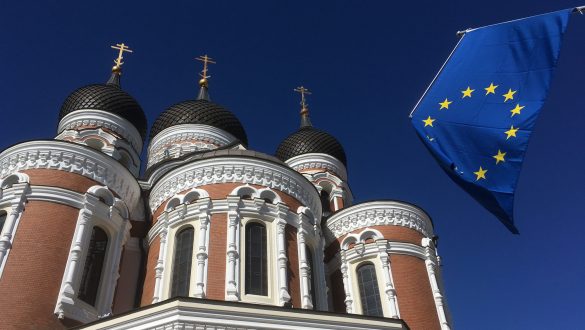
x=378, y=213
x=232, y=283
x=431, y=263
x=283, y=290
x=235, y=169
x=13, y=190
x=73, y=158
x=103, y=210
x=318, y=161
x=178, y=140
x=98, y=118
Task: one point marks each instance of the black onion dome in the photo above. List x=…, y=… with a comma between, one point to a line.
x=200, y=112
x=110, y=98
x=310, y=140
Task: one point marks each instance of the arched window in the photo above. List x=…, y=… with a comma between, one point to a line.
x=182, y=262
x=94, y=262
x=325, y=203
x=2, y=219
x=256, y=268
x=369, y=292
x=311, y=273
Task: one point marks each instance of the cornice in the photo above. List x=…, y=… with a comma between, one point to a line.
x=244, y=170
x=319, y=162
x=378, y=213
x=72, y=158
x=88, y=117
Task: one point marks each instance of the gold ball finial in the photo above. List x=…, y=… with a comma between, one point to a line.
x=116, y=69
x=203, y=82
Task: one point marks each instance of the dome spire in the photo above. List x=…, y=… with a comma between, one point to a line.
x=117, y=69
x=204, y=83
x=305, y=120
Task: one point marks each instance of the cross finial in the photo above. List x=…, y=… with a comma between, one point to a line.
x=206, y=60
x=303, y=91
x=118, y=61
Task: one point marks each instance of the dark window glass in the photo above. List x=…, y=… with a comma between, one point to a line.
x=369, y=293
x=256, y=269
x=2, y=220
x=182, y=262
x=325, y=203
x=311, y=277
x=94, y=263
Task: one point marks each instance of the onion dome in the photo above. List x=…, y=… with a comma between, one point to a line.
x=107, y=97
x=309, y=140
x=200, y=111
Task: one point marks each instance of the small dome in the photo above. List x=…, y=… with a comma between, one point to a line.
x=310, y=140
x=200, y=112
x=107, y=97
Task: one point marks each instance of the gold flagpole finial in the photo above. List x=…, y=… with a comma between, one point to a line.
x=118, y=61
x=303, y=91
x=206, y=60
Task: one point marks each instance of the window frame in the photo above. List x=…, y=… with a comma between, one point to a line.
x=375, y=289
x=173, y=256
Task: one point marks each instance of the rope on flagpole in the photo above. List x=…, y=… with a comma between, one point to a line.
x=432, y=82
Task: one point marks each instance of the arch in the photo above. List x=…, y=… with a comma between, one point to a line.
x=183, y=255
x=370, y=233
x=194, y=195
x=122, y=209
x=256, y=263
x=103, y=193
x=269, y=196
x=94, y=263
x=174, y=202
x=349, y=240
x=245, y=191
x=94, y=143
x=369, y=291
x=10, y=180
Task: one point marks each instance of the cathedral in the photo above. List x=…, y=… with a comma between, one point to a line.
x=208, y=233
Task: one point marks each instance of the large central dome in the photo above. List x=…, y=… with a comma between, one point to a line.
x=200, y=112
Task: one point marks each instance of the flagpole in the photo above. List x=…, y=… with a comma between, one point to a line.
x=432, y=82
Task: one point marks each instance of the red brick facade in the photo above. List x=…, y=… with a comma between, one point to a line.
x=294, y=285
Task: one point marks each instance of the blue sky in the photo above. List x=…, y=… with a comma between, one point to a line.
x=367, y=63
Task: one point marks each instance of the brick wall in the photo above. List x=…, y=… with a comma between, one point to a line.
x=35, y=266
x=293, y=275
x=217, y=257
x=149, y=279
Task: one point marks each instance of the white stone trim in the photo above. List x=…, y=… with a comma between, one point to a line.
x=378, y=213
x=99, y=118
x=13, y=191
x=101, y=209
x=282, y=258
x=73, y=158
x=210, y=138
x=235, y=169
x=318, y=161
x=431, y=263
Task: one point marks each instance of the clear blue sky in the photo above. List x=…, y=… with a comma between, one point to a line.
x=367, y=64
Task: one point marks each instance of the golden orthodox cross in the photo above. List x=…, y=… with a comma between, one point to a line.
x=122, y=48
x=303, y=91
x=206, y=60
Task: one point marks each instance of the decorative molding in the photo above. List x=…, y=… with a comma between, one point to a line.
x=377, y=213
x=72, y=158
x=316, y=161
x=99, y=118
x=232, y=283
x=235, y=169
x=197, y=137
x=432, y=265
x=13, y=190
x=101, y=209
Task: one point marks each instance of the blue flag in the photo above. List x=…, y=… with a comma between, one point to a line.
x=477, y=115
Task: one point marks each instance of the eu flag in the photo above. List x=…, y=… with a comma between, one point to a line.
x=477, y=116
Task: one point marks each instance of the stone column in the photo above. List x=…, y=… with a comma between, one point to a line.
x=204, y=206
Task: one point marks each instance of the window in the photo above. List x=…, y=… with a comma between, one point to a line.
x=325, y=203
x=256, y=268
x=94, y=262
x=311, y=277
x=2, y=219
x=369, y=292
x=182, y=262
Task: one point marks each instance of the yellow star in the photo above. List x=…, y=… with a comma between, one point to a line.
x=516, y=110
x=500, y=157
x=480, y=174
x=467, y=92
x=511, y=132
x=491, y=89
x=445, y=104
x=509, y=95
x=429, y=121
